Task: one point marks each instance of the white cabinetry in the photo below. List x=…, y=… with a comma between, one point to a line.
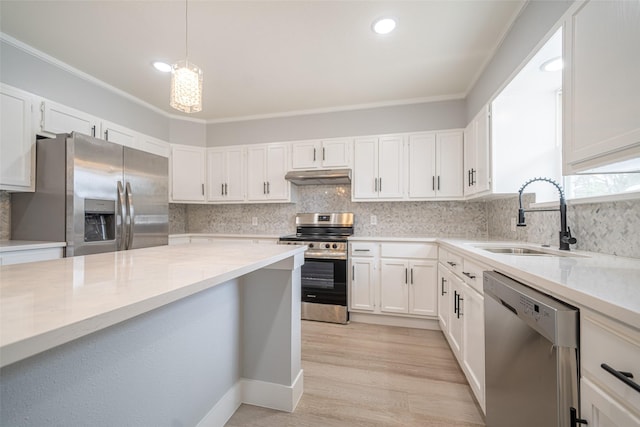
x=461, y=295
x=225, y=174
x=405, y=284
x=601, y=88
x=17, y=140
x=363, y=259
x=378, y=166
x=30, y=255
x=119, y=134
x=435, y=165
x=327, y=154
x=154, y=146
x=187, y=173
x=408, y=278
x=608, y=347
x=58, y=118
x=266, y=168
x=477, y=154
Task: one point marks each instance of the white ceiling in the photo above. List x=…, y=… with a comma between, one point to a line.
x=269, y=58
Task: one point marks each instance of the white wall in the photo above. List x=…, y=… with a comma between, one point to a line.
x=392, y=119
x=534, y=22
x=23, y=70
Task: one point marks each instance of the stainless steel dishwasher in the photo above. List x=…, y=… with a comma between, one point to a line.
x=531, y=344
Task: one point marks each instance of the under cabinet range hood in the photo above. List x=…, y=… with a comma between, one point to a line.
x=320, y=176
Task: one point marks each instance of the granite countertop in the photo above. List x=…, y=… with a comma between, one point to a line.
x=25, y=245
x=45, y=304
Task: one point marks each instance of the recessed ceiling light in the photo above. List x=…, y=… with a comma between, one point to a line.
x=553, y=64
x=384, y=25
x=162, y=66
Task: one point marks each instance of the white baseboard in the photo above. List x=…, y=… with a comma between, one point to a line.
x=224, y=408
x=274, y=396
x=405, y=322
x=258, y=393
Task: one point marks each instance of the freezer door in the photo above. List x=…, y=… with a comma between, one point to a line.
x=94, y=168
x=147, y=199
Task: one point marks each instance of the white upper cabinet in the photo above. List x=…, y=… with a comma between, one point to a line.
x=187, y=173
x=327, y=154
x=58, y=118
x=449, y=148
x=266, y=168
x=154, y=145
x=378, y=168
x=119, y=134
x=477, y=172
x=435, y=165
x=422, y=166
x=17, y=140
x=601, y=88
x=225, y=174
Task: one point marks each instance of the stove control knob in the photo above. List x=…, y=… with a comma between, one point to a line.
x=310, y=245
x=327, y=245
x=335, y=246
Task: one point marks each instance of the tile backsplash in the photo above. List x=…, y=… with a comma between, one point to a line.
x=5, y=215
x=608, y=227
x=438, y=219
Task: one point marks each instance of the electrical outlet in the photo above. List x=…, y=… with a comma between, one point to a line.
x=254, y=220
x=513, y=224
x=374, y=220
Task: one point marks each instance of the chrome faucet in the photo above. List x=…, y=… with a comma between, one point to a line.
x=565, y=232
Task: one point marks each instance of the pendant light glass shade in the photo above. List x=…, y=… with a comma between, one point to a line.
x=186, y=87
x=186, y=77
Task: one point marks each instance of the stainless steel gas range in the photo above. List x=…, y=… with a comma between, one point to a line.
x=324, y=273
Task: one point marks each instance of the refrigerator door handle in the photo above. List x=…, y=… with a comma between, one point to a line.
x=131, y=215
x=122, y=213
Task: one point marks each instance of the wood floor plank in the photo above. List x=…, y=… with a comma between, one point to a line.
x=373, y=375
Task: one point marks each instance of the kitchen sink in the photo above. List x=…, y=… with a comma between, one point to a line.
x=526, y=251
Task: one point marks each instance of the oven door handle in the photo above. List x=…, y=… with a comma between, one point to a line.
x=318, y=255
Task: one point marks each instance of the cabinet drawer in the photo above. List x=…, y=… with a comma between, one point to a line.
x=605, y=341
x=472, y=274
x=452, y=261
x=363, y=249
x=409, y=250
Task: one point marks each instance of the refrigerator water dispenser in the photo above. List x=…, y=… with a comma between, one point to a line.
x=99, y=220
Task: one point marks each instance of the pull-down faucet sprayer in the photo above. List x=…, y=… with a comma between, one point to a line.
x=565, y=232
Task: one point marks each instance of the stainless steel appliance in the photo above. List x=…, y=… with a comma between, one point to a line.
x=324, y=273
x=95, y=195
x=531, y=344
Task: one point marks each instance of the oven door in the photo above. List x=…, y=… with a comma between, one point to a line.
x=324, y=281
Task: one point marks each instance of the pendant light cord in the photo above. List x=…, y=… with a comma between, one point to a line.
x=186, y=30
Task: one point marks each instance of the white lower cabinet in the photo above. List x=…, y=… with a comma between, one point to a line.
x=600, y=409
x=607, y=346
x=405, y=283
x=473, y=341
x=362, y=295
x=461, y=315
x=30, y=255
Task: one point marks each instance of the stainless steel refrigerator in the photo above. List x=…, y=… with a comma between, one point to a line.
x=95, y=195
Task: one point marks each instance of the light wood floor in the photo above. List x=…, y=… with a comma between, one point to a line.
x=370, y=375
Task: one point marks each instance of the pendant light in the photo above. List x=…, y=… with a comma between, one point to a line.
x=186, y=79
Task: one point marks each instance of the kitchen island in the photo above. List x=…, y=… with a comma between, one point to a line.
x=172, y=335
